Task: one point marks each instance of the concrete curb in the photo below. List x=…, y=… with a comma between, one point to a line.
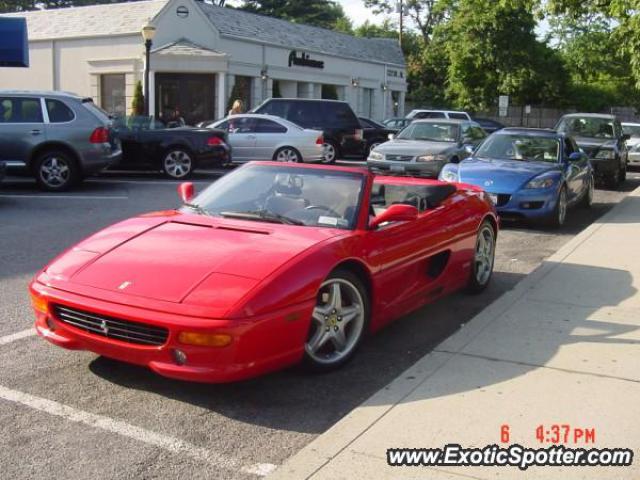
x=327, y=446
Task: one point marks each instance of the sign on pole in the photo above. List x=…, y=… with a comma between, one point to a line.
x=503, y=105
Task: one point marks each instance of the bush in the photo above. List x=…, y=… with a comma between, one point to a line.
x=137, y=104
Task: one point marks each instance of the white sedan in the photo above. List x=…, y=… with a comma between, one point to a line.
x=267, y=137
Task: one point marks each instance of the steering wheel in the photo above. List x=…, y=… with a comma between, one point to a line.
x=326, y=209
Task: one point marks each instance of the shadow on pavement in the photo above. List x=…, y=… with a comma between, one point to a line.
x=298, y=401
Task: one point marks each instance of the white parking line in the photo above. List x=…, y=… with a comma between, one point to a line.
x=165, y=442
x=17, y=336
x=76, y=197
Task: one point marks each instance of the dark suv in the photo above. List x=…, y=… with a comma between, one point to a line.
x=341, y=128
x=600, y=136
x=57, y=137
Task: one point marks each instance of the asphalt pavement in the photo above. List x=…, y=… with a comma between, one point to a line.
x=74, y=415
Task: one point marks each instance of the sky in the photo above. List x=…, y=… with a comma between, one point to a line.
x=357, y=12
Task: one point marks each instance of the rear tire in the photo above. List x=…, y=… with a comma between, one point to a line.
x=330, y=152
x=177, y=163
x=338, y=323
x=483, y=259
x=56, y=171
x=587, y=200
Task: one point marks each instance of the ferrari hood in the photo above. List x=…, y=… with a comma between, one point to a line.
x=501, y=176
x=173, y=259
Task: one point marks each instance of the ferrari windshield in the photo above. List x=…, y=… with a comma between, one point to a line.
x=520, y=147
x=280, y=194
x=590, y=127
x=430, y=132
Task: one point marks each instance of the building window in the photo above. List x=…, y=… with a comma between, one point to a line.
x=395, y=102
x=185, y=96
x=367, y=102
x=241, y=91
x=329, y=92
x=112, y=93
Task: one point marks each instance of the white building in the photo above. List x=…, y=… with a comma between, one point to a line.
x=200, y=51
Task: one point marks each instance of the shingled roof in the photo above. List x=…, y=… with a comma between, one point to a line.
x=260, y=28
x=90, y=21
x=126, y=18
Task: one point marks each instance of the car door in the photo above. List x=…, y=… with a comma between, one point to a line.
x=269, y=135
x=400, y=253
x=21, y=128
x=576, y=175
x=242, y=136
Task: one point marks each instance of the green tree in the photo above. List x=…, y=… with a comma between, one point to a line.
x=425, y=14
x=319, y=13
x=137, y=103
x=493, y=50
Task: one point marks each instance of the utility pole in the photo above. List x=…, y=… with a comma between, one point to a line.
x=400, y=11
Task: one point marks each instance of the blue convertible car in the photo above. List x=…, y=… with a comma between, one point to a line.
x=529, y=173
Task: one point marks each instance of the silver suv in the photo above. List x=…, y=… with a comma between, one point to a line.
x=57, y=137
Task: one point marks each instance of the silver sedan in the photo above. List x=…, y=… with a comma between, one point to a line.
x=266, y=137
x=425, y=146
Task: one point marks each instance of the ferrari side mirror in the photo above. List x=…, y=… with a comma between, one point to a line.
x=395, y=213
x=185, y=192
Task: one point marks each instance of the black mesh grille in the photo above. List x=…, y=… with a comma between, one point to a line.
x=109, y=327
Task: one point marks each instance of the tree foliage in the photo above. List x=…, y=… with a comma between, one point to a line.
x=319, y=13
x=137, y=103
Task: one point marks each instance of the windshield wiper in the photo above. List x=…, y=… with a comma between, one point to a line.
x=197, y=208
x=263, y=216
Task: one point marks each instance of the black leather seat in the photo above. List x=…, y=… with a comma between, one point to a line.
x=436, y=194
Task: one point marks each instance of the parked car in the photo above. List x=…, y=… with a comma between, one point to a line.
x=488, y=125
x=148, y=144
x=529, y=173
x=271, y=265
x=266, y=137
x=340, y=127
x=419, y=113
x=57, y=137
x=396, y=123
x=425, y=146
x=633, y=143
x=374, y=133
x=601, y=137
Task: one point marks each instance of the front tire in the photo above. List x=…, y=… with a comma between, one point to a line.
x=483, y=259
x=559, y=214
x=177, y=163
x=287, y=154
x=56, y=171
x=338, y=322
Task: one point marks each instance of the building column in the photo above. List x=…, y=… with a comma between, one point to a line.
x=269, y=88
x=221, y=95
x=152, y=93
x=257, y=92
x=401, y=102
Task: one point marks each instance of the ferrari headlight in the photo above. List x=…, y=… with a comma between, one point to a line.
x=449, y=176
x=541, y=182
x=605, y=154
x=376, y=156
x=431, y=158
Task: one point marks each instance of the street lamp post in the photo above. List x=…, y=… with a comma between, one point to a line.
x=148, y=32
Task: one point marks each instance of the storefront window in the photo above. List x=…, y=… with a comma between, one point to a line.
x=395, y=102
x=367, y=101
x=329, y=92
x=185, y=96
x=241, y=91
x=112, y=93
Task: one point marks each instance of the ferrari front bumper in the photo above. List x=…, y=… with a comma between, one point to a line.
x=259, y=345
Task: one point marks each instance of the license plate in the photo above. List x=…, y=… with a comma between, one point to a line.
x=494, y=198
x=397, y=168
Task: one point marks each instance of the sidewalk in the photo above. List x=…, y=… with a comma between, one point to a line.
x=563, y=347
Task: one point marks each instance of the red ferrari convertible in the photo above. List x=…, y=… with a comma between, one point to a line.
x=271, y=265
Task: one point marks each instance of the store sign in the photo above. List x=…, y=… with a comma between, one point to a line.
x=303, y=60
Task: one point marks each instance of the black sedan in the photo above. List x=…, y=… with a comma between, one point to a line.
x=374, y=133
x=488, y=125
x=147, y=144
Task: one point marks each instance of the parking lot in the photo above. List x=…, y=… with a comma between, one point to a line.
x=74, y=415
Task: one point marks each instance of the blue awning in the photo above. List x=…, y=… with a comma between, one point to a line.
x=14, y=44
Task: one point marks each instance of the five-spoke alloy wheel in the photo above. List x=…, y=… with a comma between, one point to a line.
x=287, y=154
x=56, y=171
x=338, y=322
x=485, y=251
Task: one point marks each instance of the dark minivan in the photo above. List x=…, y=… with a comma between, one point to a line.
x=341, y=128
